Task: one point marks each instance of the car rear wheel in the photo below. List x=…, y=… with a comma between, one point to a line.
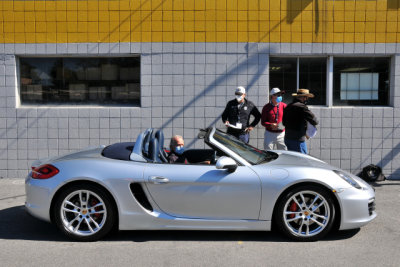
x=305, y=213
x=84, y=212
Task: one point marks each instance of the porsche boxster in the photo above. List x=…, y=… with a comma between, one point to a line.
x=130, y=186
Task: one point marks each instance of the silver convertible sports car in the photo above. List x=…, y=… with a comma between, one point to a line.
x=130, y=186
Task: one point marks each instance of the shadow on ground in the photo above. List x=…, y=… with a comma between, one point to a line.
x=380, y=184
x=16, y=224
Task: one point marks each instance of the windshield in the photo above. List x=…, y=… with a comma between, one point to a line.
x=246, y=151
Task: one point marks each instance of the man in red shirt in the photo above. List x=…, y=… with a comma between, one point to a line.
x=271, y=119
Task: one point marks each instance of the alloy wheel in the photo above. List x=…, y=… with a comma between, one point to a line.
x=306, y=213
x=83, y=213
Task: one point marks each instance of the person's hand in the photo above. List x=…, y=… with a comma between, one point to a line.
x=248, y=129
x=274, y=126
x=227, y=123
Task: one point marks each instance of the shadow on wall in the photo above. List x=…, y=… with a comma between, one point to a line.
x=128, y=18
x=391, y=155
x=393, y=4
x=395, y=151
x=240, y=67
x=13, y=133
x=294, y=8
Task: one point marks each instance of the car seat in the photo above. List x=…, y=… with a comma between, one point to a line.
x=160, y=137
x=146, y=142
x=154, y=151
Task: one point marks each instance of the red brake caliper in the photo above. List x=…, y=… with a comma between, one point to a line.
x=292, y=207
x=93, y=203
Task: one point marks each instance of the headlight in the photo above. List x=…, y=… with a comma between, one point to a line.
x=348, y=179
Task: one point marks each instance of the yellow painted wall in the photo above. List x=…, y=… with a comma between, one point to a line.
x=74, y=21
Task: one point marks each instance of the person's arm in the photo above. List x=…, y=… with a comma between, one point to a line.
x=264, y=117
x=224, y=115
x=257, y=116
x=309, y=116
x=284, y=117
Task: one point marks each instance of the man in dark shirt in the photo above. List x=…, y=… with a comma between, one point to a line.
x=236, y=115
x=295, y=120
x=176, y=146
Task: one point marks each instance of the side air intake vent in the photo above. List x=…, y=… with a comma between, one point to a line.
x=140, y=196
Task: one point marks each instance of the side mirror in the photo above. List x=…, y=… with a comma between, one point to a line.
x=226, y=163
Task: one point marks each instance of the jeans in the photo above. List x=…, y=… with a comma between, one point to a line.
x=295, y=145
x=245, y=137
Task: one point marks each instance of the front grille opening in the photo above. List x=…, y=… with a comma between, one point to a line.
x=371, y=207
x=140, y=196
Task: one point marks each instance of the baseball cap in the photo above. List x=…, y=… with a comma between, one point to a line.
x=240, y=90
x=274, y=91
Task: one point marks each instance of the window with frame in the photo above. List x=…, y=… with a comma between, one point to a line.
x=361, y=81
x=80, y=81
x=291, y=73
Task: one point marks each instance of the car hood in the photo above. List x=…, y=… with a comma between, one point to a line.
x=90, y=152
x=290, y=158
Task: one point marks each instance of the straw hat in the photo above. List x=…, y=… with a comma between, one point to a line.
x=303, y=92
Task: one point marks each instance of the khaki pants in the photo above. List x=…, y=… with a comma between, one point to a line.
x=274, y=140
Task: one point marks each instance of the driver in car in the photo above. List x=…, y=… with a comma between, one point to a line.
x=176, y=146
x=176, y=154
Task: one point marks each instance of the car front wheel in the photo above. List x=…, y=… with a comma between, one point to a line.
x=305, y=213
x=84, y=212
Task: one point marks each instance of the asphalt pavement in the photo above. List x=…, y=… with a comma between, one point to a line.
x=26, y=241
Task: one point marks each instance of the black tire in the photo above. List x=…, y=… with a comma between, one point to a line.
x=310, y=221
x=84, y=212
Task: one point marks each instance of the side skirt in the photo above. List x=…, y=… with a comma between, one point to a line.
x=158, y=221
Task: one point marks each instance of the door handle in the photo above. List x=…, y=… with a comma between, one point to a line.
x=158, y=180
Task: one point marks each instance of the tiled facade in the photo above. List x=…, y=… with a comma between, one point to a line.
x=294, y=21
x=193, y=55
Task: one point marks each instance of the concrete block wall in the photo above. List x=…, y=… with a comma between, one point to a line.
x=185, y=87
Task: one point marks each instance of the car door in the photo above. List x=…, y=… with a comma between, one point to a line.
x=203, y=192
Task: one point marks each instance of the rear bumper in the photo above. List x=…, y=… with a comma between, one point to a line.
x=358, y=207
x=37, y=198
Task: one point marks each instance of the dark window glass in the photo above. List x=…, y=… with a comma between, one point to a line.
x=85, y=81
x=312, y=76
x=361, y=81
x=282, y=74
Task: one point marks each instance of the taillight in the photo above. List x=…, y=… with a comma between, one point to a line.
x=44, y=171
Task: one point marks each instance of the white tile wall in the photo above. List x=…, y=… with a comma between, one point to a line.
x=185, y=86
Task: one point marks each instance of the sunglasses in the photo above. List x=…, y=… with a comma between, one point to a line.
x=279, y=94
x=238, y=94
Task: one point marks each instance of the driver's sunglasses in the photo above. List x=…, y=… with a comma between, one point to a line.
x=238, y=94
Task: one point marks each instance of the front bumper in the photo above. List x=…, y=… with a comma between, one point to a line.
x=358, y=207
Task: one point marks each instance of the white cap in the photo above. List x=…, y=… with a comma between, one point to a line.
x=241, y=90
x=274, y=91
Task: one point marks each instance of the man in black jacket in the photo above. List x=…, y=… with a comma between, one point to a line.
x=236, y=115
x=295, y=120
